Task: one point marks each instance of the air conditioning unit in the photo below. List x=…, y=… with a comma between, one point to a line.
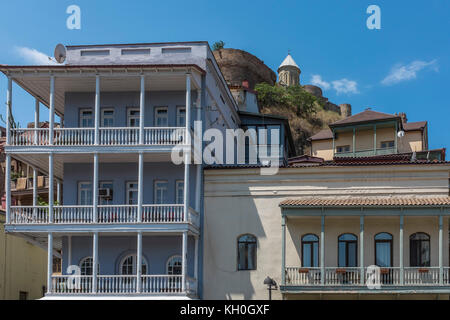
x=105, y=193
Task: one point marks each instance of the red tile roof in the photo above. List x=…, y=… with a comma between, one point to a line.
x=348, y=202
x=322, y=135
x=411, y=126
x=365, y=116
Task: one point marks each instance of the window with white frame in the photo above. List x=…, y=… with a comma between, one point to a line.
x=132, y=192
x=161, y=188
x=128, y=265
x=107, y=117
x=86, y=118
x=161, y=117
x=179, y=191
x=133, y=117
x=103, y=200
x=85, y=193
x=181, y=116
x=86, y=266
x=174, y=265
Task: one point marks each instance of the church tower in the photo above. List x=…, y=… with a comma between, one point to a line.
x=288, y=72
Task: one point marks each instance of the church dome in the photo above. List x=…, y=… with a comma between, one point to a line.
x=288, y=62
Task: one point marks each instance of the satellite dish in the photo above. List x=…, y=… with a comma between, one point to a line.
x=401, y=134
x=60, y=53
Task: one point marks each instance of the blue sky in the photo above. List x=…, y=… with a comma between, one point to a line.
x=404, y=67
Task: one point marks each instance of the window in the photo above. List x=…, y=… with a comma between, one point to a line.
x=107, y=118
x=57, y=265
x=181, y=116
x=161, y=117
x=86, y=266
x=347, y=250
x=132, y=192
x=174, y=265
x=343, y=149
x=90, y=53
x=419, y=250
x=387, y=144
x=179, y=191
x=102, y=200
x=23, y=295
x=161, y=191
x=133, y=117
x=86, y=119
x=310, y=251
x=129, y=264
x=247, y=252
x=135, y=51
x=85, y=193
x=383, y=249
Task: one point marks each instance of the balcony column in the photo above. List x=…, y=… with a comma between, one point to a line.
x=36, y=122
x=322, y=250
x=396, y=137
x=187, y=154
x=374, y=139
x=441, y=251
x=283, y=250
x=95, y=190
x=58, y=192
x=35, y=191
x=354, y=142
x=51, y=190
x=97, y=110
x=140, y=186
x=401, y=250
x=49, y=262
x=361, y=248
x=8, y=187
x=142, y=111
x=69, y=250
x=196, y=262
x=139, y=263
x=94, y=262
x=184, y=261
x=334, y=142
x=51, y=116
x=8, y=110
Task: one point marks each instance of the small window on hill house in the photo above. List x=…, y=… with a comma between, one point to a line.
x=387, y=144
x=23, y=295
x=343, y=149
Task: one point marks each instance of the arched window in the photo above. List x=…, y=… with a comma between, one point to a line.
x=347, y=250
x=310, y=251
x=419, y=250
x=86, y=266
x=174, y=265
x=246, y=252
x=383, y=249
x=129, y=263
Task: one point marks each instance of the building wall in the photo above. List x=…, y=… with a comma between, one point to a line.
x=120, y=174
x=112, y=249
x=23, y=266
x=242, y=201
x=412, y=141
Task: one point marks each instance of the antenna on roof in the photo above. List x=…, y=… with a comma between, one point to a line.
x=60, y=53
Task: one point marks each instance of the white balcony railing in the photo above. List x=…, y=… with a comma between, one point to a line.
x=121, y=284
x=106, y=214
x=352, y=276
x=110, y=136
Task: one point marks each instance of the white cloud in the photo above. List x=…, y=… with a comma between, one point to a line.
x=401, y=73
x=317, y=81
x=32, y=56
x=345, y=86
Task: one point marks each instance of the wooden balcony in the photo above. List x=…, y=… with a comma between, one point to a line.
x=366, y=153
x=106, y=214
x=335, y=277
x=122, y=284
x=111, y=136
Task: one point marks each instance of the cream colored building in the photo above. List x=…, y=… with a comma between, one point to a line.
x=370, y=133
x=23, y=267
x=326, y=200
